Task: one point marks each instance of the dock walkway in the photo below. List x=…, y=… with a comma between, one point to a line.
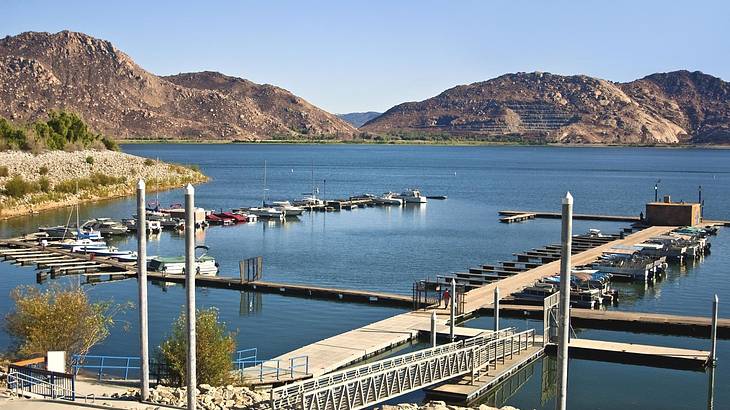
x=350, y=347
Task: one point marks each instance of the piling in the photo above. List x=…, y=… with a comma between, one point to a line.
x=453, y=310
x=496, y=309
x=433, y=328
x=190, y=291
x=713, y=334
x=142, y=283
x=565, y=266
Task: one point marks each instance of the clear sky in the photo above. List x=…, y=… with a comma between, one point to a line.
x=370, y=55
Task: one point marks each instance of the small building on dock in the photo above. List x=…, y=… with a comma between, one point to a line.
x=668, y=213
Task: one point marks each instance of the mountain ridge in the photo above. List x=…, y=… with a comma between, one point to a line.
x=680, y=107
x=40, y=72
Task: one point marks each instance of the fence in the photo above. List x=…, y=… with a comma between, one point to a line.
x=274, y=369
x=41, y=382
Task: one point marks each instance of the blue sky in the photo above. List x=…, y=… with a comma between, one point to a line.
x=356, y=56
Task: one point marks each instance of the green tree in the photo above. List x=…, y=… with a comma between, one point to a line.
x=215, y=347
x=58, y=319
x=12, y=137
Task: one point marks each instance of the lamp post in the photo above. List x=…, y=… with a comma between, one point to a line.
x=142, y=283
x=564, y=329
x=190, y=272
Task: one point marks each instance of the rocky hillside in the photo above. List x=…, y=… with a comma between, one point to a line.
x=40, y=72
x=357, y=119
x=678, y=107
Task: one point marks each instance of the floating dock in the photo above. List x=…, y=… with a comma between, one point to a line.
x=517, y=218
x=557, y=215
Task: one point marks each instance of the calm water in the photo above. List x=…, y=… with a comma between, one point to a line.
x=387, y=249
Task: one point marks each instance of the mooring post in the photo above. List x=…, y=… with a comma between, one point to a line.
x=564, y=334
x=190, y=291
x=142, y=284
x=453, y=310
x=713, y=335
x=433, y=328
x=496, y=309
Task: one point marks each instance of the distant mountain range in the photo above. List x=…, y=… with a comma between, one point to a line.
x=357, y=119
x=40, y=72
x=73, y=71
x=669, y=108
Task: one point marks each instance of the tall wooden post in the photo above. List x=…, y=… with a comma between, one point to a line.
x=190, y=272
x=142, y=284
x=496, y=309
x=564, y=334
x=713, y=335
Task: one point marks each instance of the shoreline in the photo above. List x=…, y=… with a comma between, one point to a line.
x=70, y=178
x=455, y=143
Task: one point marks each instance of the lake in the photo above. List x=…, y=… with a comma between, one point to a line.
x=387, y=249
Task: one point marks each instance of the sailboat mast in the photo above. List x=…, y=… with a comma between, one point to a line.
x=314, y=195
x=263, y=201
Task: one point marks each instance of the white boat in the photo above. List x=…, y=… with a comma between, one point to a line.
x=106, y=226
x=388, y=198
x=80, y=245
x=153, y=227
x=287, y=207
x=268, y=213
x=204, y=264
x=112, y=252
x=412, y=196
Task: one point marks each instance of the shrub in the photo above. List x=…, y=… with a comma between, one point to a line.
x=44, y=184
x=149, y=162
x=43, y=170
x=110, y=144
x=97, y=179
x=3, y=171
x=214, y=348
x=18, y=187
x=58, y=319
x=90, y=160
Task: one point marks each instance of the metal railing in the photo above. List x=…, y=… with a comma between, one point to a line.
x=24, y=379
x=107, y=365
x=373, y=383
x=274, y=369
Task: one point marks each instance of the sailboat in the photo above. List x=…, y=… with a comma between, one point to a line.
x=67, y=232
x=310, y=198
x=267, y=211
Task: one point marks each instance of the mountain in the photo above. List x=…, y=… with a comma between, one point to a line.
x=357, y=119
x=40, y=72
x=669, y=108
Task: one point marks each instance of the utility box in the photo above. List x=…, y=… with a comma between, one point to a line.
x=668, y=213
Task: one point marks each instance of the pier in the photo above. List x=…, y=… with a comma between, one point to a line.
x=587, y=217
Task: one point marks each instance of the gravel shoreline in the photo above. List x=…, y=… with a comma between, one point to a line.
x=65, y=166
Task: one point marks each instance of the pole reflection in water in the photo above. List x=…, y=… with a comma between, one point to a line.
x=711, y=389
x=250, y=303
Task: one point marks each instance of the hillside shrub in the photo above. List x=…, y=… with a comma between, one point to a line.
x=3, y=171
x=43, y=170
x=17, y=187
x=44, y=184
x=149, y=162
x=214, y=348
x=90, y=160
x=97, y=179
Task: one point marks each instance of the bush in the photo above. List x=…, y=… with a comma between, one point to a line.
x=44, y=184
x=43, y=170
x=3, y=171
x=149, y=162
x=58, y=319
x=90, y=160
x=110, y=144
x=18, y=187
x=214, y=348
x=74, y=185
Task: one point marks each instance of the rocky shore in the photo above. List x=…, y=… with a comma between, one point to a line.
x=52, y=173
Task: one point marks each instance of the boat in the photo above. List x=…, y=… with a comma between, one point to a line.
x=204, y=265
x=388, y=198
x=111, y=252
x=106, y=226
x=81, y=245
x=152, y=227
x=218, y=219
x=267, y=213
x=412, y=196
x=287, y=207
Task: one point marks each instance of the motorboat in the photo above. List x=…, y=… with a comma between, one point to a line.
x=267, y=213
x=287, y=207
x=152, y=227
x=112, y=252
x=412, y=196
x=204, y=265
x=309, y=200
x=218, y=219
x=106, y=226
x=388, y=198
x=82, y=245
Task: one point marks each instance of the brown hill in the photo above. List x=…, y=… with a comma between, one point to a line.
x=668, y=108
x=72, y=71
